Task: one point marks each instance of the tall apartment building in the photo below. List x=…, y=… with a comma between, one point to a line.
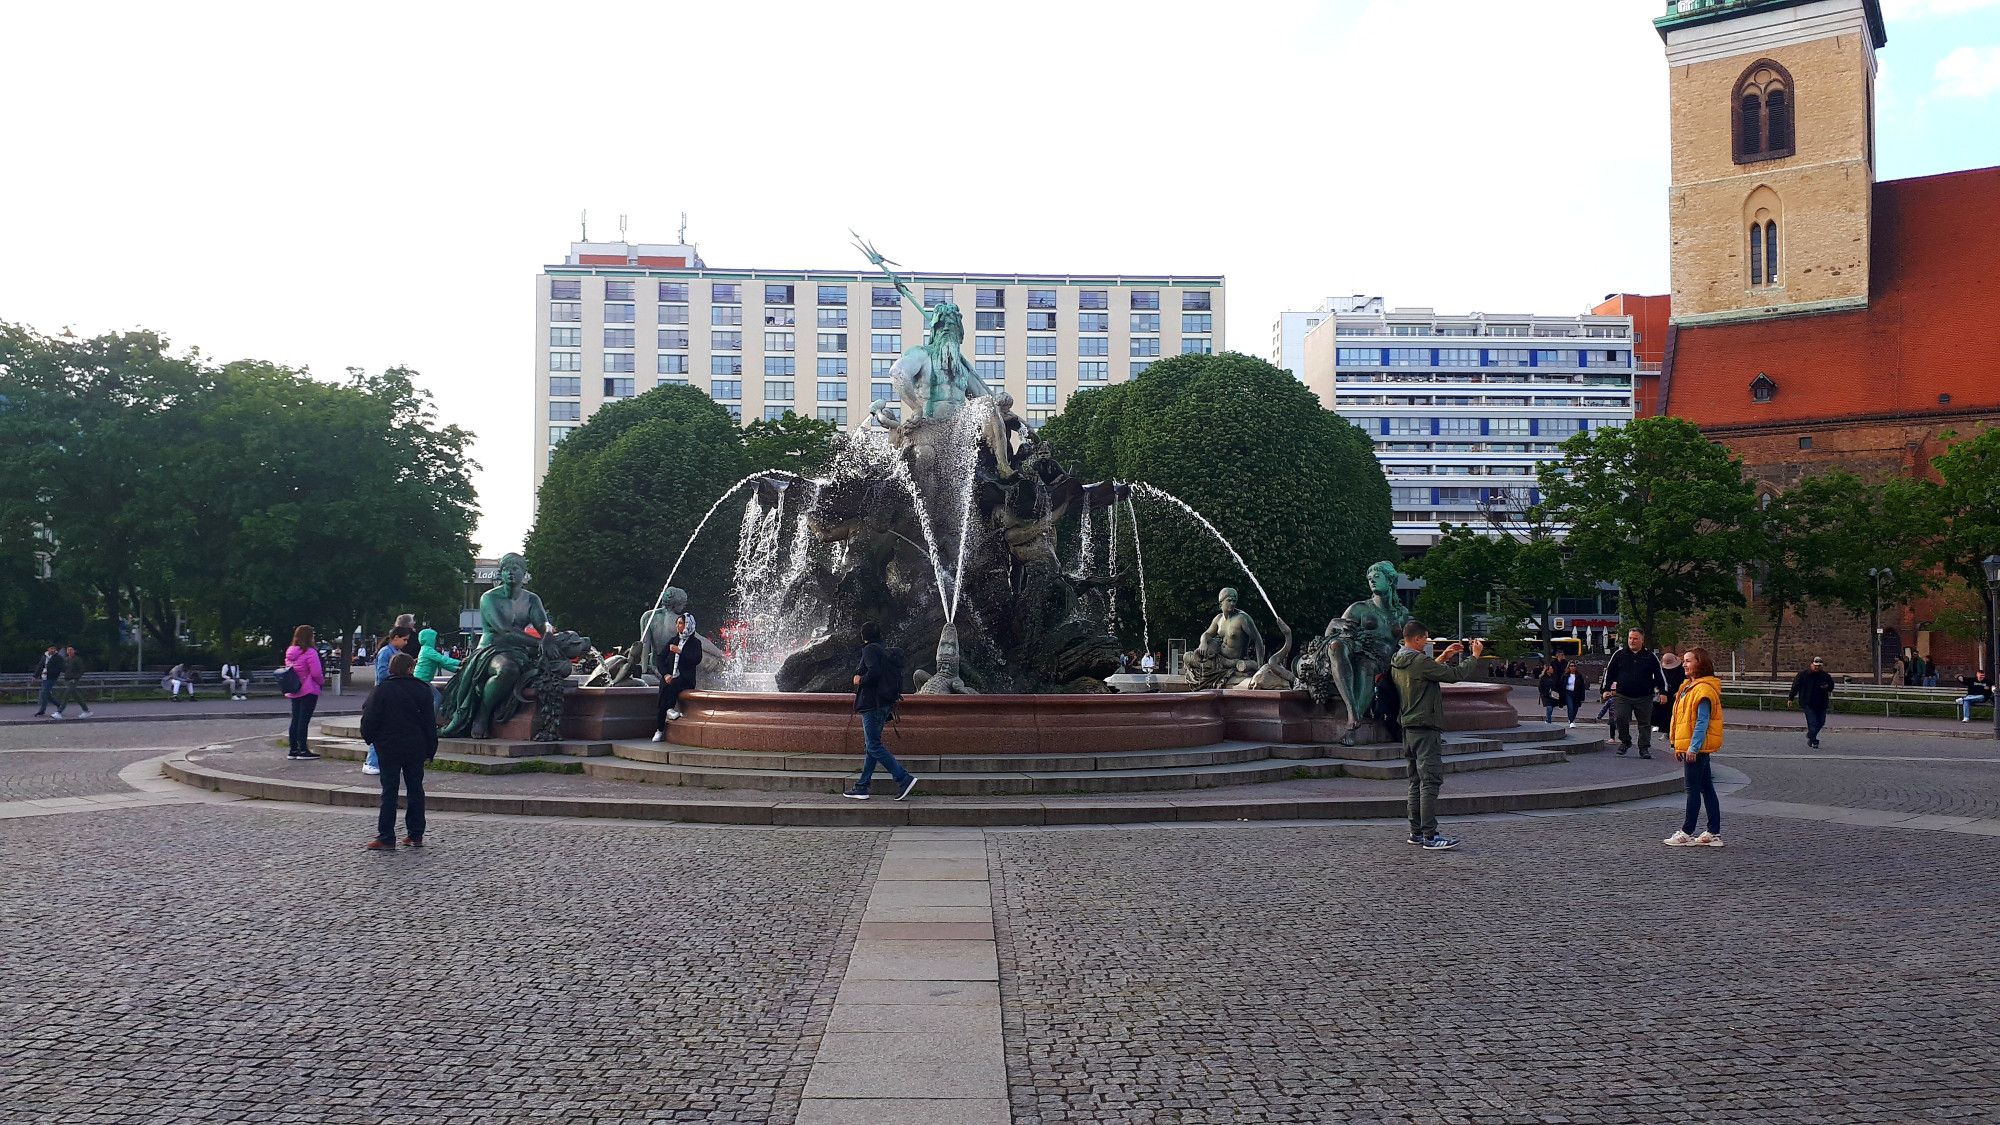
x=1288, y=332
x=821, y=342
x=1464, y=408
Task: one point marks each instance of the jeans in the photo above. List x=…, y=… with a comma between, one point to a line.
x=374, y=759
x=878, y=754
x=411, y=772
x=72, y=692
x=48, y=698
x=1701, y=791
x=1815, y=722
x=1572, y=703
x=1548, y=712
x=1423, y=751
x=1625, y=708
x=302, y=713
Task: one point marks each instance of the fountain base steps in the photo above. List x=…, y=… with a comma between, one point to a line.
x=459, y=759
x=350, y=729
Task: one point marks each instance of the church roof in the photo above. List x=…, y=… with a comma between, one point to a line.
x=1928, y=331
x=1694, y=13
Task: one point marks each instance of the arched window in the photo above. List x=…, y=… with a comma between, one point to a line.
x=1761, y=212
x=1756, y=255
x=1763, y=118
x=1770, y=251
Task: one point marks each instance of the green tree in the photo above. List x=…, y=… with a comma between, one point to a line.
x=791, y=442
x=623, y=494
x=1295, y=487
x=1657, y=508
x=1810, y=543
x=1463, y=569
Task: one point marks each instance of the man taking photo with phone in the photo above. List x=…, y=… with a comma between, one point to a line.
x=1417, y=677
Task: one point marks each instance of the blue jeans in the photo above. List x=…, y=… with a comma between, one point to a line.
x=302, y=713
x=878, y=754
x=1815, y=719
x=48, y=698
x=410, y=770
x=1701, y=791
x=1548, y=712
x=1965, y=703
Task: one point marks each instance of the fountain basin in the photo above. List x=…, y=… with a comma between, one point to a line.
x=1478, y=706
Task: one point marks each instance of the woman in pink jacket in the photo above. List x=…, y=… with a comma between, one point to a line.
x=303, y=658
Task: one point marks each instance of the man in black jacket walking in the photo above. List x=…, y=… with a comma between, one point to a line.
x=1635, y=674
x=1813, y=688
x=878, y=684
x=400, y=721
x=49, y=672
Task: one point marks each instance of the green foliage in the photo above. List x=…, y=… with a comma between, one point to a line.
x=1962, y=510
x=1294, y=486
x=793, y=443
x=1809, y=547
x=1460, y=570
x=622, y=495
x=1657, y=508
x=246, y=498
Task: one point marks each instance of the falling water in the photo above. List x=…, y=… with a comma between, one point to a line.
x=726, y=494
x=1111, y=562
x=966, y=428
x=1162, y=494
x=1145, y=623
x=1084, y=555
x=871, y=445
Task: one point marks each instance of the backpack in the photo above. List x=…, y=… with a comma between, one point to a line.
x=893, y=671
x=289, y=680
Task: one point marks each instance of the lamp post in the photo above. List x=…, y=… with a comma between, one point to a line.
x=1879, y=574
x=1992, y=565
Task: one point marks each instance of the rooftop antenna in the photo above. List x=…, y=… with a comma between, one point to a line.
x=684, y=228
x=586, y=227
x=621, y=226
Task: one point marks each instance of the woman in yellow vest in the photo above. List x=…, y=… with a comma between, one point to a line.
x=1697, y=734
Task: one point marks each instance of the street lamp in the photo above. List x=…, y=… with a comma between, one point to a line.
x=1992, y=565
x=1881, y=574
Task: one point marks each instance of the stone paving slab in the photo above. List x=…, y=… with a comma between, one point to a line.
x=888, y=1111
x=922, y=959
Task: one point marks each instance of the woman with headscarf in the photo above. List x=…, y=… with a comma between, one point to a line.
x=678, y=667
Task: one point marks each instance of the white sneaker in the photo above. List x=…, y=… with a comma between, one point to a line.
x=1707, y=840
x=370, y=770
x=58, y=716
x=1680, y=840
x=659, y=735
x=673, y=714
x=1965, y=718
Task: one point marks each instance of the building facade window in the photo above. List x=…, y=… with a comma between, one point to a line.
x=774, y=413
x=1405, y=426
x=779, y=390
x=726, y=341
x=725, y=365
x=778, y=294
x=565, y=386
x=1507, y=357
x=1040, y=395
x=833, y=318
x=565, y=311
x=1093, y=372
x=885, y=318
x=1357, y=357
x=781, y=342
x=880, y=368
x=1508, y=427
x=1197, y=322
x=726, y=315
x=833, y=294
x=936, y=297
x=1139, y=367
x=1555, y=359
x=565, y=361
x=783, y=366
x=885, y=297
x=1041, y=322
x=990, y=321
x=833, y=391
x=673, y=338
x=617, y=290
x=1763, y=117
x=620, y=338
x=835, y=414
x=990, y=371
x=833, y=341
x=1041, y=298
x=989, y=298
x=565, y=337
x=673, y=314
x=883, y=392
x=619, y=361
x=1146, y=345
x=1146, y=299
x=1146, y=322
x=1093, y=322
x=775, y=317
x=673, y=291
x=1041, y=345
x=829, y=365
x=1093, y=299
x=1559, y=427
x=675, y=381
x=1197, y=299
x=673, y=365
x=886, y=343
x=1763, y=253
x=730, y=389
x=1409, y=357
x=1458, y=357
x=1093, y=345
x=620, y=388
x=989, y=345
x=620, y=314
x=558, y=433
x=1458, y=427
x=1197, y=345
x=565, y=290
x=1041, y=370
x=725, y=293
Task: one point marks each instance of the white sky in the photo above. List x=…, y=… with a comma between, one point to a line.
x=366, y=184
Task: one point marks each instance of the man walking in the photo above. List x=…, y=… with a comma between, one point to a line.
x=878, y=684
x=48, y=673
x=72, y=684
x=1417, y=677
x=1634, y=673
x=1813, y=688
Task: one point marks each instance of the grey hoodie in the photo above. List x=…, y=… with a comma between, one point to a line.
x=1417, y=678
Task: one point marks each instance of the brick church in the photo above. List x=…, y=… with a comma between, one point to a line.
x=1820, y=319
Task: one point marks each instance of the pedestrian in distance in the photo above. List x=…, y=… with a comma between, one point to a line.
x=1977, y=692
x=1147, y=664
x=1697, y=736
x=878, y=685
x=1549, y=684
x=1634, y=673
x=1417, y=678
x=48, y=673
x=180, y=676
x=302, y=660
x=680, y=668
x=234, y=681
x=1812, y=689
x=1670, y=665
x=400, y=638
x=1573, y=689
x=400, y=721
x=72, y=684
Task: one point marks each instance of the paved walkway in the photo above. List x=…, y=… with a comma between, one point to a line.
x=1528, y=704
x=200, y=708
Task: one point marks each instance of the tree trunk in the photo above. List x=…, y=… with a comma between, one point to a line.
x=1777, y=630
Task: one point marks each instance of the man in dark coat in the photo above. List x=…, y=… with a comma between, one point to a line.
x=1635, y=681
x=878, y=684
x=1813, y=688
x=678, y=667
x=400, y=721
x=48, y=673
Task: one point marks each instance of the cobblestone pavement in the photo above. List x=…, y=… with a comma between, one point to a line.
x=1567, y=970
x=29, y=774
x=223, y=964
x=88, y=734
x=1947, y=787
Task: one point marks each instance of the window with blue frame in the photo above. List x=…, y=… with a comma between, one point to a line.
x=1145, y=345
x=1093, y=345
x=673, y=291
x=833, y=294
x=1042, y=395
x=725, y=365
x=991, y=371
x=989, y=345
x=779, y=391
x=1041, y=370
x=1041, y=345
x=832, y=390
x=781, y=365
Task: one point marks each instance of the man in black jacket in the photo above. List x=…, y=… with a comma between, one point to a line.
x=878, y=684
x=679, y=667
x=49, y=671
x=400, y=721
x=1813, y=688
x=1635, y=674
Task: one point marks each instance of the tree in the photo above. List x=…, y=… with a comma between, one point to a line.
x=1810, y=546
x=624, y=493
x=1295, y=487
x=1463, y=568
x=792, y=442
x=1657, y=508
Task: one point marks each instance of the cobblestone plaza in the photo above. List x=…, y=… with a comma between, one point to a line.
x=171, y=955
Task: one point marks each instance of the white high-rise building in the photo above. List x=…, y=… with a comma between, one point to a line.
x=1464, y=408
x=820, y=342
x=1288, y=332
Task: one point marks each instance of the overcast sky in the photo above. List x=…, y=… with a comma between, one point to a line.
x=330, y=186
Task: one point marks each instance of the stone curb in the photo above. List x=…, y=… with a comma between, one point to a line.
x=955, y=813
x=1945, y=729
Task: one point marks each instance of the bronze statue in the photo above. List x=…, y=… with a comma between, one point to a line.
x=1343, y=661
x=1231, y=648
x=487, y=688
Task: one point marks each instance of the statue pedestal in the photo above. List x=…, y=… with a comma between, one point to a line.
x=594, y=714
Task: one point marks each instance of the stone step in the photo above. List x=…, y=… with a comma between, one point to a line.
x=352, y=750
x=1460, y=762
x=1217, y=754
x=479, y=747
x=998, y=784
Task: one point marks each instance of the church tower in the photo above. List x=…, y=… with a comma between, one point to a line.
x=1773, y=161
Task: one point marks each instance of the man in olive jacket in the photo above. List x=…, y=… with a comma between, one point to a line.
x=1417, y=677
